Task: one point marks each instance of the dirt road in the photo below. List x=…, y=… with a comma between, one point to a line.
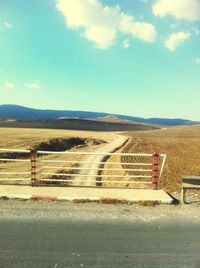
x=91, y=168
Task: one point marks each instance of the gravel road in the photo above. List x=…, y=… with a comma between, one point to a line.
x=91, y=168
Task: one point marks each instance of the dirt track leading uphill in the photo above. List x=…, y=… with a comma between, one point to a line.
x=91, y=168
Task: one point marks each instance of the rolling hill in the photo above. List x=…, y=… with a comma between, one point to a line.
x=76, y=124
x=11, y=111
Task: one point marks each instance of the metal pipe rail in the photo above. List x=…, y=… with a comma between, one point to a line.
x=105, y=169
x=90, y=153
x=86, y=162
x=14, y=173
x=13, y=160
x=15, y=179
x=102, y=181
x=37, y=167
x=15, y=150
x=96, y=176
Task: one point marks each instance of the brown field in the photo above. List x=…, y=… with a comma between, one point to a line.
x=16, y=138
x=182, y=146
x=78, y=124
x=25, y=138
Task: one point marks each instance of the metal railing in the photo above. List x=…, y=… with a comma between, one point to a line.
x=77, y=168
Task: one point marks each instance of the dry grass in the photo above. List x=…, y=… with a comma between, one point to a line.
x=24, y=138
x=122, y=160
x=27, y=138
x=109, y=165
x=114, y=201
x=148, y=203
x=182, y=146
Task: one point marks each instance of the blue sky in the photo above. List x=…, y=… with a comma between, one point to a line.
x=134, y=57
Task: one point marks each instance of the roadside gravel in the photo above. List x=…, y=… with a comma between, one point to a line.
x=61, y=210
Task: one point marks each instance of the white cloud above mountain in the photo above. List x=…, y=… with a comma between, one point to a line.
x=8, y=25
x=33, y=85
x=180, y=9
x=101, y=24
x=197, y=60
x=9, y=85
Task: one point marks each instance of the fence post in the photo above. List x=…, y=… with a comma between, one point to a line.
x=33, y=155
x=155, y=170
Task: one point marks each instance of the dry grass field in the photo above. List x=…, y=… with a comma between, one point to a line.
x=182, y=146
x=16, y=138
x=25, y=138
x=102, y=124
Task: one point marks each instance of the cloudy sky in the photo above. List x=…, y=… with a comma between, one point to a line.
x=135, y=57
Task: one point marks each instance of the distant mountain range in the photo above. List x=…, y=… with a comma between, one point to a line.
x=11, y=111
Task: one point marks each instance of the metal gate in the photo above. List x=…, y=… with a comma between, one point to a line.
x=89, y=169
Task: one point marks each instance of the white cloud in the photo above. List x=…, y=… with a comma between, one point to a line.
x=126, y=44
x=102, y=24
x=33, y=85
x=196, y=31
x=141, y=30
x=197, y=60
x=175, y=40
x=8, y=25
x=9, y=85
x=180, y=9
x=144, y=1
x=173, y=26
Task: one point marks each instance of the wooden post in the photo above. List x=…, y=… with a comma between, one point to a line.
x=33, y=155
x=155, y=171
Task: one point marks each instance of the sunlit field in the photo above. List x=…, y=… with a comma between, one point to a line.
x=25, y=138
x=182, y=146
x=16, y=138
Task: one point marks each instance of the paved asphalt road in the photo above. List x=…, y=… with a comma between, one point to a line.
x=40, y=243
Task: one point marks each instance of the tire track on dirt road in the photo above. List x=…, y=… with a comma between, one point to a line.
x=91, y=169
